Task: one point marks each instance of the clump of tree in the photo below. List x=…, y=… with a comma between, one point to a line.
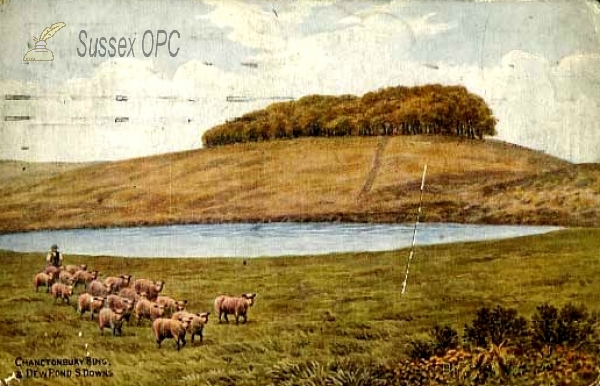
x=420, y=110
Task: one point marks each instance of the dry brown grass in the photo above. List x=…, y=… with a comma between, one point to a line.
x=13, y=171
x=312, y=179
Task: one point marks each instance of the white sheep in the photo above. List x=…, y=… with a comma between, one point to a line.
x=87, y=302
x=117, y=302
x=43, y=280
x=150, y=288
x=112, y=319
x=171, y=305
x=61, y=290
x=84, y=277
x=117, y=283
x=237, y=306
x=66, y=278
x=97, y=288
x=196, y=324
x=129, y=293
x=170, y=328
x=72, y=269
x=148, y=309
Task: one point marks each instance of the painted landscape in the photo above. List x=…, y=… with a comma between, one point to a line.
x=262, y=142
x=334, y=319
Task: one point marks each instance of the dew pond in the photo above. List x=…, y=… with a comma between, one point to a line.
x=255, y=240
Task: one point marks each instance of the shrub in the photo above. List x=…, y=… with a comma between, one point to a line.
x=421, y=349
x=444, y=338
x=545, y=326
x=496, y=326
x=501, y=353
x=575, y=325
x=498, y=365
x=570, y=326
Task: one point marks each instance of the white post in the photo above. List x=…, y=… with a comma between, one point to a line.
x=412, y=249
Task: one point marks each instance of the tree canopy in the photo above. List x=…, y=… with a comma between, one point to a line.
x=421, y=110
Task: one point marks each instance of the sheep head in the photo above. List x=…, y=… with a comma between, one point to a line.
x=249, y=298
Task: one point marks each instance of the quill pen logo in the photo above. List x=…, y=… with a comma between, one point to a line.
x=40, y=52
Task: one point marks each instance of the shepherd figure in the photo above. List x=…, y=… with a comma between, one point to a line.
x=54, y=257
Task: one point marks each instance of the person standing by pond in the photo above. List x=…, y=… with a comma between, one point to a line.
x=54, y=257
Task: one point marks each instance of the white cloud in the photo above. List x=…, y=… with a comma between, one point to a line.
x=584, y=66
x=424, y=26
x=545, y=107
x=77, y=121
x=352, y=59
x=258, y=27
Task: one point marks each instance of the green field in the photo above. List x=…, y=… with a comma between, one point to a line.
x=320, y=308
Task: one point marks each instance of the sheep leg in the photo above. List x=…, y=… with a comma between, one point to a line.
x=158, y=342
x=237, y=318
x=225, y=316
x=245, y=319
x=199, y=334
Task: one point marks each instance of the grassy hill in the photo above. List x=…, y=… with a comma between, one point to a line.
x=32, y=171
x=372, y=179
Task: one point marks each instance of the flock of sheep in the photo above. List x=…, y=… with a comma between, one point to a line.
x=116, y=299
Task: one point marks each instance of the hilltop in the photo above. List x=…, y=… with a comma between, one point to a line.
x=430, y=109
x=366, y=179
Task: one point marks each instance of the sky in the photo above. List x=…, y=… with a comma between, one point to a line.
x=536, y=64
